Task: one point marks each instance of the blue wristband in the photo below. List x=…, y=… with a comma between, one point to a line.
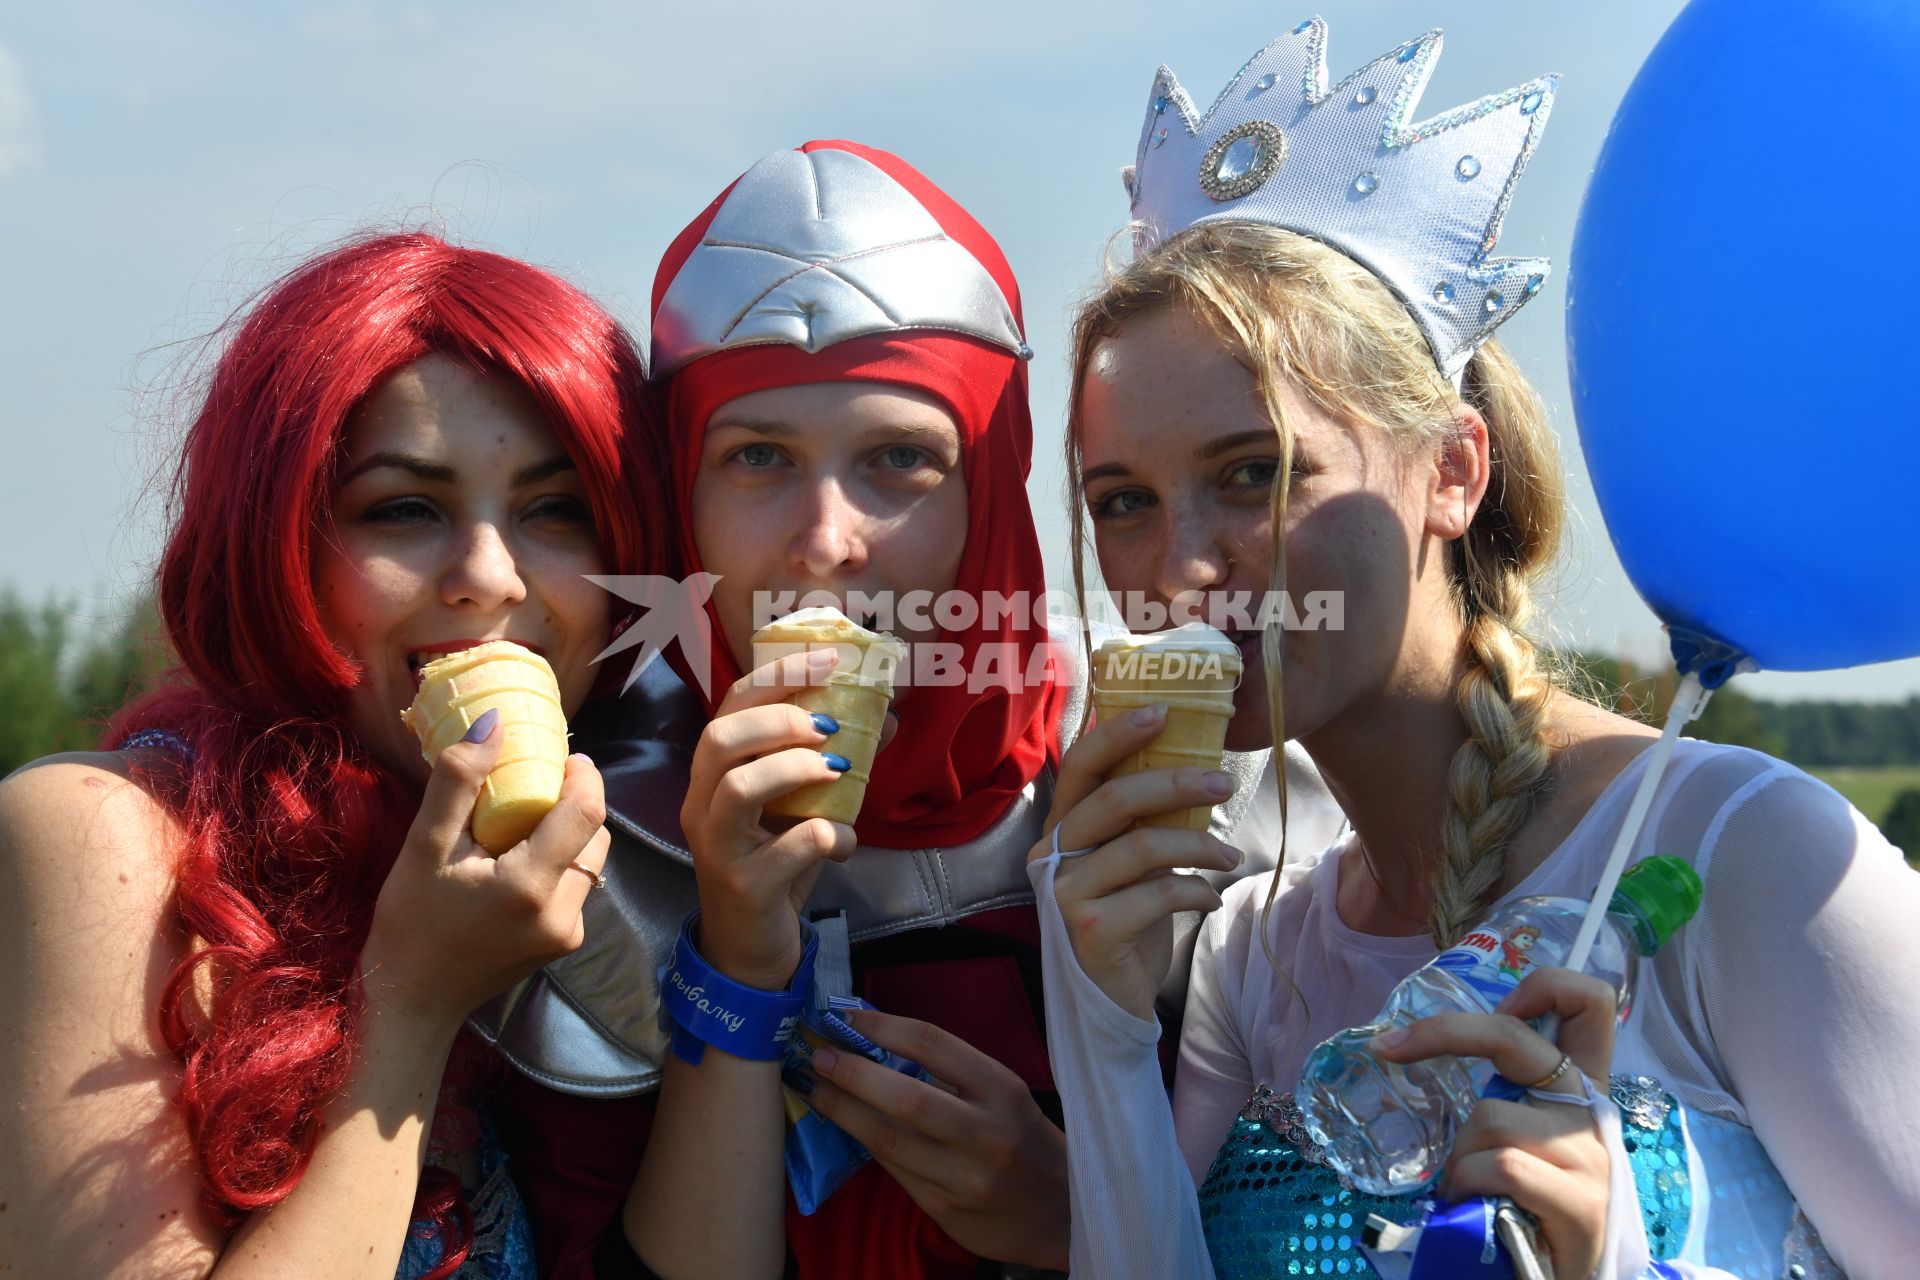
x=701, y=1006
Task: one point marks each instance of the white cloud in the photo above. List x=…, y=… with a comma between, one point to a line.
x=19, y=136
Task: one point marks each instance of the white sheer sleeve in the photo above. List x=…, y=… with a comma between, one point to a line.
x=1811, y=933
x=1215, y=1075
x=1135, y=1212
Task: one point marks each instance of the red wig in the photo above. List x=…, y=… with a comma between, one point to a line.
x=290, y=827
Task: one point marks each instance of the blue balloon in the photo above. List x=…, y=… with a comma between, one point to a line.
x=1743, y=301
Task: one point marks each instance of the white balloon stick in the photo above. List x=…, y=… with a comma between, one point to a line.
x=1688, y=700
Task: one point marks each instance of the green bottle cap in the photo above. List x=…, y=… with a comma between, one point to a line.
x=1656, y=896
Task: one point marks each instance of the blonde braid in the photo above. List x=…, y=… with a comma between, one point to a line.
x=1505, y=692
x=1495, y=775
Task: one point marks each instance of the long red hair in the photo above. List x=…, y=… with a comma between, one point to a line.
x=290, y=827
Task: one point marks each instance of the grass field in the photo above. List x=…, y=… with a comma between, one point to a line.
x=1870, y=790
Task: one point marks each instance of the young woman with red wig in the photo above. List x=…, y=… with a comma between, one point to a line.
x=246, y=935
x=840, y=353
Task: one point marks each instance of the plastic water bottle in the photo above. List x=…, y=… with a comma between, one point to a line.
x=1390, y=1127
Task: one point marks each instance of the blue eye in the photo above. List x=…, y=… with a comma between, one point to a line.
x=904, y=457
x=1122, y=502
x=759, y=455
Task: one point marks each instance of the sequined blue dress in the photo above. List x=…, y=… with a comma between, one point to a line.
x=1271, y=1207
x=1781, y=1011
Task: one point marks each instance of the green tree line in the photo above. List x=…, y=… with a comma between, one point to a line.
x=1813, y=735
x=60, y=679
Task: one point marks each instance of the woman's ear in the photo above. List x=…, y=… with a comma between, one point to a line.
x=1461, y=467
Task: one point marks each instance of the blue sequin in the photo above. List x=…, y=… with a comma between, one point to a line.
x=1268, y=1210
x=1651, y=1129
x=1269, y=1206
x=165, y=739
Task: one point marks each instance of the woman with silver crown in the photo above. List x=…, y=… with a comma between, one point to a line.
x=1294, y=385
x=838, y=347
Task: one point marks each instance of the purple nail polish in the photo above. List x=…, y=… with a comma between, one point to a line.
x=482, y=729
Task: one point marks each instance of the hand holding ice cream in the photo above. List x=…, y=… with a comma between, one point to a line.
x=1192, y=671
x=855, y=696
x=498, y=676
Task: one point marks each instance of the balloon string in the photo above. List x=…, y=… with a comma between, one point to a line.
x=1688, y=700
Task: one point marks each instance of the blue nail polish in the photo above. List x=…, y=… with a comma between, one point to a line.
x=482, y=729
x=835, y=762
x=826, y=724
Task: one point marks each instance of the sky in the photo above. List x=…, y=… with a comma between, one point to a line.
x=158, y=168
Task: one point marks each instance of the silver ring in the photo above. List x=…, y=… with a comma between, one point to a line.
x=1559, y=1069
x=589, y=873
x=1058, y=852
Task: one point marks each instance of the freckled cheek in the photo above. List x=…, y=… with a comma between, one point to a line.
x=1126, y=563
x=929, y=559
x=578, y=614
x=743, y=541
x=944, y=528
x=361, y=601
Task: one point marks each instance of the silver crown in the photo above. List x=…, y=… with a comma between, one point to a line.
x=1419, y=204
x=812, y=248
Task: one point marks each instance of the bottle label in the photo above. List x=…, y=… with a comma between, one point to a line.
x=1491, y=963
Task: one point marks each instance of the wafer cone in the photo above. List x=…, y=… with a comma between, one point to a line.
x=1193, y=670
x=501, y=676
x=855, y=694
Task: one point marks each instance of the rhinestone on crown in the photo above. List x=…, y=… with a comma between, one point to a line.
x=1242, y=159
x=1358, y=180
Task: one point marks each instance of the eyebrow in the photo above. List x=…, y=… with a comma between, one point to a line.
x=439, y=473
x=780, y=430
x=1205, y=453
x=883, y=431
x=942, y=440
x=1239, y=440
x=915, y=431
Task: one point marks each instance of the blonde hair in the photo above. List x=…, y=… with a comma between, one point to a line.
x=1292, y=310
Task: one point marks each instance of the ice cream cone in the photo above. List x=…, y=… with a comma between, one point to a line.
x=855, y=694
x=1193, y=670
x=518, y=683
